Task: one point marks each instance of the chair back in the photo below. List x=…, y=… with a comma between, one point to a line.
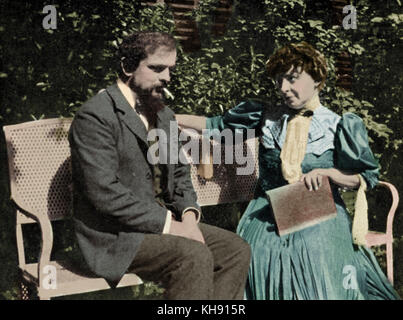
x=231, y=182
x=39, y=168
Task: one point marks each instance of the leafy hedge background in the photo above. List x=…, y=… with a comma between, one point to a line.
x=50, y=73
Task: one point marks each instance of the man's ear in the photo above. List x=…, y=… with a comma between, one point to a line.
x=128, y=74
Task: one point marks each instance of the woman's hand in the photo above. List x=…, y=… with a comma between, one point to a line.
x=313, y=179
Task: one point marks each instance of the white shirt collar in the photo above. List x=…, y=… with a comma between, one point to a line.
x=129, y=96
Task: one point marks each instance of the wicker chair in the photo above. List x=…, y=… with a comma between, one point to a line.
x=41, y=188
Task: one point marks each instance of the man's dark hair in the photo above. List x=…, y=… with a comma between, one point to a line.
x=138, y=46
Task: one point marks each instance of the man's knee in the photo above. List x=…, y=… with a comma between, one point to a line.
x=195, y=253
x=239, y=248
x=244, y=250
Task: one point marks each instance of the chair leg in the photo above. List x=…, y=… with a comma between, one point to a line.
x=389, y=260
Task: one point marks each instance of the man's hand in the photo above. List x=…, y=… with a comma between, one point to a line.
x=188, y=228
x=191, y=121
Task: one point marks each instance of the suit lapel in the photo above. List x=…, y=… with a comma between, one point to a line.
x=164, y=124
x=128, y=115
x=130, y=118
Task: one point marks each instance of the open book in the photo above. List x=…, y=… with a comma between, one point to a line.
x=296, y=208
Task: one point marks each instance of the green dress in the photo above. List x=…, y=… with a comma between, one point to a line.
x=321, y=261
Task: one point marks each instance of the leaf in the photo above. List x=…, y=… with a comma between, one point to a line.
x=70, y=56
x=377, y=19
x=215, y=65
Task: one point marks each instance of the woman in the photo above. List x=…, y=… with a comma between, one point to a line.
x=304, y=141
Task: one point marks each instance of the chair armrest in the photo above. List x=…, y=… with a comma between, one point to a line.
x=393, y=207
x=46, y=246
x=46, y=237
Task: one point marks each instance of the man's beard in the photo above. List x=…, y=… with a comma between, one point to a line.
x=147, y=104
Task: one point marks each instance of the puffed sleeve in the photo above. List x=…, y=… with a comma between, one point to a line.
x=353, y=153
x=246, y=115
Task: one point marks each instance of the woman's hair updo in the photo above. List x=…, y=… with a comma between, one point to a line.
x=296, y=55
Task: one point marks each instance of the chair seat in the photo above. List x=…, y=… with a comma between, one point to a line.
x=68, y=281
x=375, y=238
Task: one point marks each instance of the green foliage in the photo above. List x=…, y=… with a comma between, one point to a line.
x=217, y=84
x=50, y=73
x=378, y=77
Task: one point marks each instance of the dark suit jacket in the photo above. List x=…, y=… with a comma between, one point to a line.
x=114, y=201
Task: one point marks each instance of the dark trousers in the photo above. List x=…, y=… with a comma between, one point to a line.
x=189, y=269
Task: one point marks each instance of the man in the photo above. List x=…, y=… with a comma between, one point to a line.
x=132, y=216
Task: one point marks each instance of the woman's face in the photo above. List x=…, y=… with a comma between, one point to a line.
x=297, y=87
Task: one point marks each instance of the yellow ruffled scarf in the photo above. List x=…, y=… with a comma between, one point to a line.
x=293, y=153
x=294, y=147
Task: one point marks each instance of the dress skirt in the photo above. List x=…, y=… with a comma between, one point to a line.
x=317, y=263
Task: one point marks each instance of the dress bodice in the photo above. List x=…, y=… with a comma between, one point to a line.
x=333, y=141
